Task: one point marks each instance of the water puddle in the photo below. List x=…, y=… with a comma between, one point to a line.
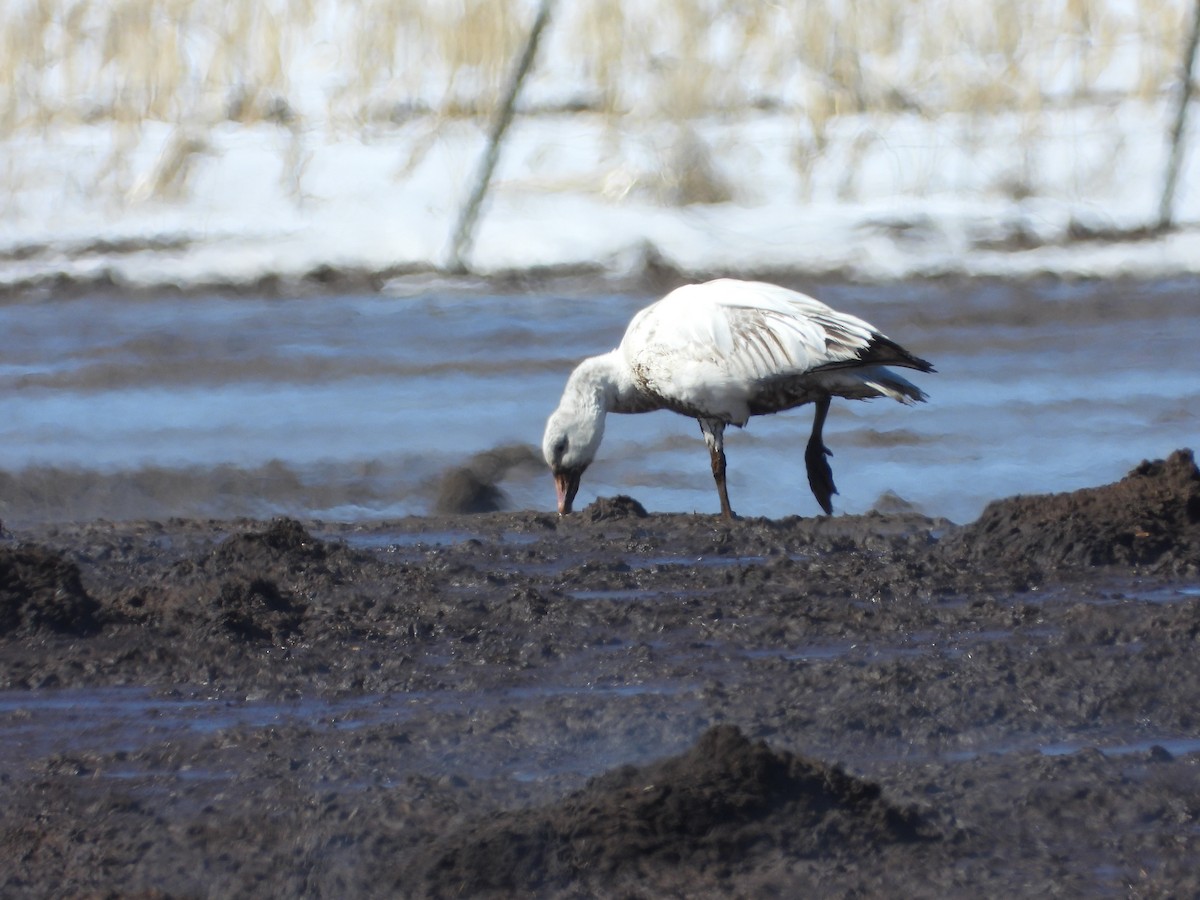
x=1120, y=591
x=916, y=644
x=43, y=724
x=415, y=547
x=396, y=540
x=634, y=562
x=1176, y=746
x=1112, y=745
x=1169, y=594
x=114, y=719
x=650, y=562
x=627, y=595
x=630, y=689
x=815, y=652
x=403, y=540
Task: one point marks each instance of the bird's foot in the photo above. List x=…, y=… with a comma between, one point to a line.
x=820, y=475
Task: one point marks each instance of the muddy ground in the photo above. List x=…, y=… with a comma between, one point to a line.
x=612, y=704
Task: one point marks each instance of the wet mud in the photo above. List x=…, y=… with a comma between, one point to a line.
x=612, y=704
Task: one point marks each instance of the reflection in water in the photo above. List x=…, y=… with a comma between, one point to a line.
x=353, y=407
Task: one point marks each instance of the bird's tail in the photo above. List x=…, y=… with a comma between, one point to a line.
x=869, y=382
x=884, y=351
x=887, y=383
x=879, y=351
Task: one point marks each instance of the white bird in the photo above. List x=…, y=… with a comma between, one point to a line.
x=722, y=352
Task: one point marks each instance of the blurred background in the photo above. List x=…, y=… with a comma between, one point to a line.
x=926, y=130
x=322, y=257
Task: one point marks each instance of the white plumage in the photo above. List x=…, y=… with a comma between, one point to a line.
x=721, y=352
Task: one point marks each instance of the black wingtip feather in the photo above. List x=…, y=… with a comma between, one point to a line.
x=886, y=352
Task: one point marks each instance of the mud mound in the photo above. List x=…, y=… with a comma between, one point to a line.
x=253, y=586
x=1151, y=517
x=41, y=590
x=714, y=810
x=618, y=507
x=473, y=487
x=282, y=538
x=462, y=490
x=286, y=553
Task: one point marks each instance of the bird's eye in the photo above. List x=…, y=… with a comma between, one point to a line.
x=560, y=448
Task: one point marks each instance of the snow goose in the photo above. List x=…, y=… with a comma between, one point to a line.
x=722, y=352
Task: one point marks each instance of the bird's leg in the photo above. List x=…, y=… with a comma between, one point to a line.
x=820, y=476
x=714, y=436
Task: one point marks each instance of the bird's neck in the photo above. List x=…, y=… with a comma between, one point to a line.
x=602, y=384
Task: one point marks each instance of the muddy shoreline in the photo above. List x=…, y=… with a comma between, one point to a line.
x=613, y=704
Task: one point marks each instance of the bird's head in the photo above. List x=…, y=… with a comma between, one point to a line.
x=569, y=445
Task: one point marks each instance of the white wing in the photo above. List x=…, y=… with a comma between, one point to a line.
x=706, y=348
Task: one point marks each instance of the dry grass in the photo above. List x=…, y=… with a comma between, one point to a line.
x=363, y=64
x=170, y=59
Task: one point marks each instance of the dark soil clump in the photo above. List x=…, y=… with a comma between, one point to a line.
x=283, y=538
x=713, y=811
x=1149, y=518
x=464, y=491
x=473, y=486
x=258, y=610
x=618, y=507
x=39, y=590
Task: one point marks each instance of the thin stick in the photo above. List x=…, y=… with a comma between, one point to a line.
x=465, y=231
x=1167, y=202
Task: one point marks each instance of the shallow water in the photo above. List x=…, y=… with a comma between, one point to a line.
x=351, y=407
x=126, y=720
